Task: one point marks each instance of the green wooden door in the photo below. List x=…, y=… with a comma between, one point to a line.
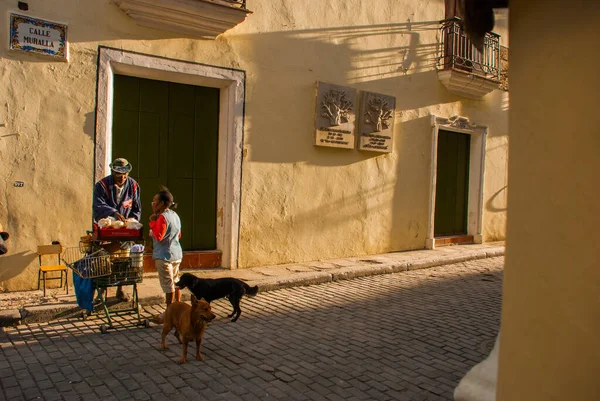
x=452, y=184
x=169, y=132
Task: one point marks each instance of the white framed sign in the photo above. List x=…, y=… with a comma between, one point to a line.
x=37, y=36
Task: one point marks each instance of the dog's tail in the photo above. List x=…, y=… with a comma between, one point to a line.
x=251, y=291
x=158, y=319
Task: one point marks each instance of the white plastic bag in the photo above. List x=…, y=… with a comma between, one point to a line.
x=133, y=224
x=137, y=256
x=137, y=248
x=107, y=222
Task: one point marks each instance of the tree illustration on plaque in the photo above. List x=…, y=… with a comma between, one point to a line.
x=336, y=105
x=378, y=114
x=335, y=112
x=376, y=125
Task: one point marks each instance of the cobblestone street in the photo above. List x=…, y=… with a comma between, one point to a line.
x=405, y=336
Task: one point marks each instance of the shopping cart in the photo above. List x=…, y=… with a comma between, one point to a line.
x=90, y=261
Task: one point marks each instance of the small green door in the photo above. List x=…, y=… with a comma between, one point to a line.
x=169, y=132
x=452, y=184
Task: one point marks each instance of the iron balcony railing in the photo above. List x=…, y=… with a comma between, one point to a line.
x=457, y=51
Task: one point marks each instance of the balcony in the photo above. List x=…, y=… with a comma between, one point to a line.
x=192, y=18
x=464, y=70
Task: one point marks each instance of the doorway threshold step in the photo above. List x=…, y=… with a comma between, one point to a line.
x=191, y=260
x=453, y=240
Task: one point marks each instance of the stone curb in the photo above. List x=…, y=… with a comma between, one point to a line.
x=351, y=272
x=425, y=263
x=9, y=317
x=48, y=312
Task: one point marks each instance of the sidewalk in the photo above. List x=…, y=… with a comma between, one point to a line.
x=16, y=307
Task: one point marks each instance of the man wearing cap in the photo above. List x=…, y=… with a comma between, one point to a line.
x=118, y=196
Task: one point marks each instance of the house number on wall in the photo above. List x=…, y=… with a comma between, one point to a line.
x=19, y=184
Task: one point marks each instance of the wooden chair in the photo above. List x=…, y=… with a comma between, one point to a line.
x=46, y=250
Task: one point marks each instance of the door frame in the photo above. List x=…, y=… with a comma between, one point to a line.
x=231, y=83
x=478, y=135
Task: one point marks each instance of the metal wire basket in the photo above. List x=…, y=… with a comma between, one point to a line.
x=126, y=268
x=87, y=264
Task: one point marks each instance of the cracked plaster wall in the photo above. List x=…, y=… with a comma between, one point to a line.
x=299, y=202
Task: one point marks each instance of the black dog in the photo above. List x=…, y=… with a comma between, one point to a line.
x=211, y=289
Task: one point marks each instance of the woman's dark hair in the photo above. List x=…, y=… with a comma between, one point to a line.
x=165, y=196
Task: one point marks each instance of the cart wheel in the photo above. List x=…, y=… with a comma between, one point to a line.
x=146, y=323
x=103, y=329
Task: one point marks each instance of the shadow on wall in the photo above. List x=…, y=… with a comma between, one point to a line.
x=358, y=209
x=338, y=208
x=279, y=129
x=398, y=60
x=296, y=143
x=89, y=126
x=497, y=202
x=13, y=265
x=352, y=56
x=410, y=205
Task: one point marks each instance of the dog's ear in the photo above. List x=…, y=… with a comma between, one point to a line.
x=194, y=300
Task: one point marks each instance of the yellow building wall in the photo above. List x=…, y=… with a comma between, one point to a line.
x=550, y=314
x=299, y=202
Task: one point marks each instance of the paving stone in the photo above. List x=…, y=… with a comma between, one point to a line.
x=140, y=395
x=230, y=397
x=402, y=336
x=167, y=389
x=70, y=396
x=283, y=377
x=11, y=392
x=316, y=396
x=51, y=395
x=102, y=391
x=63, y=386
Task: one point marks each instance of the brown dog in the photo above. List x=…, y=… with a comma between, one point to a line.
x=190, y=323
